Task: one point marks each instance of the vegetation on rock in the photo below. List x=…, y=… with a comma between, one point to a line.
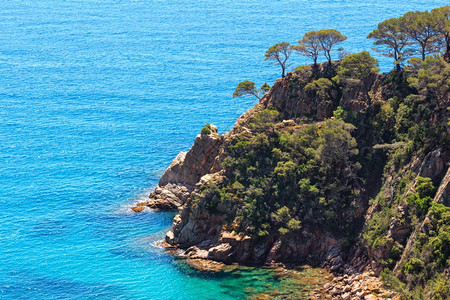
x=339, y=151
x=247, y=87
x=206, y=129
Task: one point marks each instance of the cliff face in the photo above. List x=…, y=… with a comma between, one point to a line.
x=210, y=227
x=202, y=233
x=401, y=233
x=186, y=170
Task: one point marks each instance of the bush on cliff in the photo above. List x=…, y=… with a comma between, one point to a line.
x=206, y=129
x=285, y=174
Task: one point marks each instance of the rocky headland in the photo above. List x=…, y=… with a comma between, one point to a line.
x=380, y=226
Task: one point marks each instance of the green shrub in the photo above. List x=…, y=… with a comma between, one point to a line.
x=440, y=288
x=265, y=119
x=421, y=200
x=340, y=113
x=396, y=252
x=425, y=187
x=391, y=282
x=377, y=227
x=294, y=224
x=206, y=129
x=414, y=265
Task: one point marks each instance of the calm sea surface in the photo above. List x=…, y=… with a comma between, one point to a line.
x=96, y=99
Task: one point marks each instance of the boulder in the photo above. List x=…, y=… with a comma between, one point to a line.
x=138, y=209
x=221, y=252
x=205, y=265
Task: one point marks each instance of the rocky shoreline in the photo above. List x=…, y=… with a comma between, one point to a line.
x=354, y=287
x=364, y=286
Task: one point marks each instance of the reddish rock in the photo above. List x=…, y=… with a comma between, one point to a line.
x=138, y=209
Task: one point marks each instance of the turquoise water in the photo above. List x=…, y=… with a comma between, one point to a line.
x=97, y=97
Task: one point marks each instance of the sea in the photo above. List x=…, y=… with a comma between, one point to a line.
x=98, y=96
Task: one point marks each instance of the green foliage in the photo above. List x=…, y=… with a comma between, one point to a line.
x=422, y=29
x=413, y=265
x=430, y=76
x=421, y=204
x=396, y=252
x=328, y=38
x=265, y=119
x=284, y=175
x=337, y=147
x=310, y=45
x=377, y=227
x=315, y=42
x=283, y=217
x=304, y=71
x=384, y=123
x=442, y=17
x=390, y=35
x=322, y=87
x=421, y=200
x=280, y=54
x=355, y=68
x=294, y=224
x=439, y=288
x=425, y=187
x=246, y=88
x=340, y=113
x=415, y=32
x=265, y=87
x=391, y=282
x=206, y=129
x=430, y=254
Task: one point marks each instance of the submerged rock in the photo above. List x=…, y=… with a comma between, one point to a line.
x=205, y=265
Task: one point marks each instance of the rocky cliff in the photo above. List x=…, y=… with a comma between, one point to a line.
x=375, y=226
x=186, y=170
x=203, y=235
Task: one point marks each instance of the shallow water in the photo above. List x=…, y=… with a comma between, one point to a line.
x=97, y=97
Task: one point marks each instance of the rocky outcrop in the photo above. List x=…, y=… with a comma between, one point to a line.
x=290, y=97
x=195, y=225
x=185, y=171
x=358, y=286
x=433, y=166
x=400, y=232
x=202, y=232
x=187, y=168
x=443, y=192
x=442, y=196
x=292, y=101
x=203, y=229
x=169, y=196
x=205, y=265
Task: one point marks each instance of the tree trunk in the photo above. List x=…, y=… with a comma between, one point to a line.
x=424, y=50
x=447, y=54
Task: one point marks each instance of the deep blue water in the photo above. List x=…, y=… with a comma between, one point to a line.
x=96, y=99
